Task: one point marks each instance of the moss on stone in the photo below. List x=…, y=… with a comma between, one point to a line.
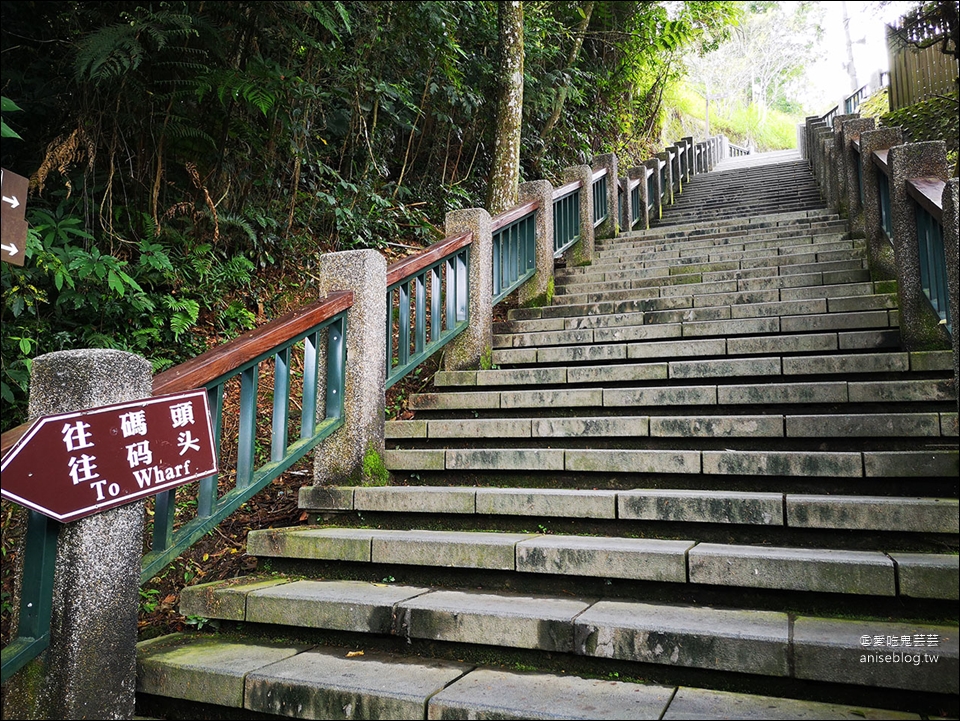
x=374, y=471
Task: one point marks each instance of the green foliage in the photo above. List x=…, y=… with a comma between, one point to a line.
x=8, y=106
x=375, y=471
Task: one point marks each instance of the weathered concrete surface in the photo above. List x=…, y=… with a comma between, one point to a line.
x=634, y=558
x=513, y=621
x=467, y=349
x=208, y=670
x=546, y=502
x=928, y=575
x=343, y=544
x=794, y=569
x=493, y=694
x=447, y=548
x=224, y=601
x=702, y=506
x=897, y=513
x=88, y=668
x=728, y=640
x=323, y=684
x=831, y=649
x=698, y=704
x=426, y=499
x=339, y=459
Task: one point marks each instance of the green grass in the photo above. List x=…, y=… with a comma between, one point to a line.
x=769, y=130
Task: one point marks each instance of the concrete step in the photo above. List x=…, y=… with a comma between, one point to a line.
x=682, y=562
x=579, y=626
x=789, y=510
x=771, y=364
x=825, y=425
x=705, y=394
x=712, y=321
x=934, y=461
x=323, y=682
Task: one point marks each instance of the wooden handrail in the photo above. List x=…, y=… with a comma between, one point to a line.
x=928, y=192
x=197, y=372
x=508, y=216
x=565, y=190
x=407, y=267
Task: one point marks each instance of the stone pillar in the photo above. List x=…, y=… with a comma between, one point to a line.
x=951, y=214
x=879, y=250
x=339, y=459
x=626, y=206
x=839, y=171
x=676, y=171
x=724, y=147
x=849, y=134
x=609, y=227
x=667, y=188
x=823, y=162
x=538, y=290
x=656, y=212
x=89, y=668
x=689, y=169
x=913, y=160
x=469, y=348
x=640, y=173
x=582, y=252
x=830, y=187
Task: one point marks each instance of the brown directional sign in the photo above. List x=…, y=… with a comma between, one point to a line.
x=72, y=465
x=13, y=227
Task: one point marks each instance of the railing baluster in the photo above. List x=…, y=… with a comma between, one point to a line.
x=281, y=403
x=420, y=334
x=463, y=286
x=311, y=360
x=336, y=358
x=246, y=443
x=207, y=495
x=403, y=344
x=436, y=312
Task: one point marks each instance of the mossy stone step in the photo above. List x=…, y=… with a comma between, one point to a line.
x=769, y=643
x=675, y=561
x=325, y=683
x=862, y=512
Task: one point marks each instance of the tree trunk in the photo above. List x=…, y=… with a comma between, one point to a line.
x=505, y=173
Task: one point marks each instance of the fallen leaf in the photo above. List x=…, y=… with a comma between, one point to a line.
x=351, y=654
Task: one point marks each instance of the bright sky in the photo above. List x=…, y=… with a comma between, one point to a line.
x=828, y=80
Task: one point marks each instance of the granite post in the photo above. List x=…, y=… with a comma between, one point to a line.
x=879, y=250
x=667, y=179
x=640, y=173
x=951, y=247
x=582, y=252
x=610, y=225
x=89, y=668
x=339, y=459
x=839, y=170
x=470, y=348
x=656, y=212
x=626, y=204
x=538, y=290
x=913, y=160
x=689, y=168
x=850, y=162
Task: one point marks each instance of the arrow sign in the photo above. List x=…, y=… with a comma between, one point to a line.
x=13, y=227
x=72, y=465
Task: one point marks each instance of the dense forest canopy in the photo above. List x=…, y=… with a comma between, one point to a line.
x=184, y=156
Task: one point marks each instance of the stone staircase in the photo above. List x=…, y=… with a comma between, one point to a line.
x=706, y=482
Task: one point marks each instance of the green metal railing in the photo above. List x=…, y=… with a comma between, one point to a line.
x=651, y=189
x=852, y=103
x=599, y=188
x=514, y=249
x=566, y=217
x=427, y=304
x=926, y=193
x=319, y=330
x=635, y=201
x=663, y=180
x=886, y=213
